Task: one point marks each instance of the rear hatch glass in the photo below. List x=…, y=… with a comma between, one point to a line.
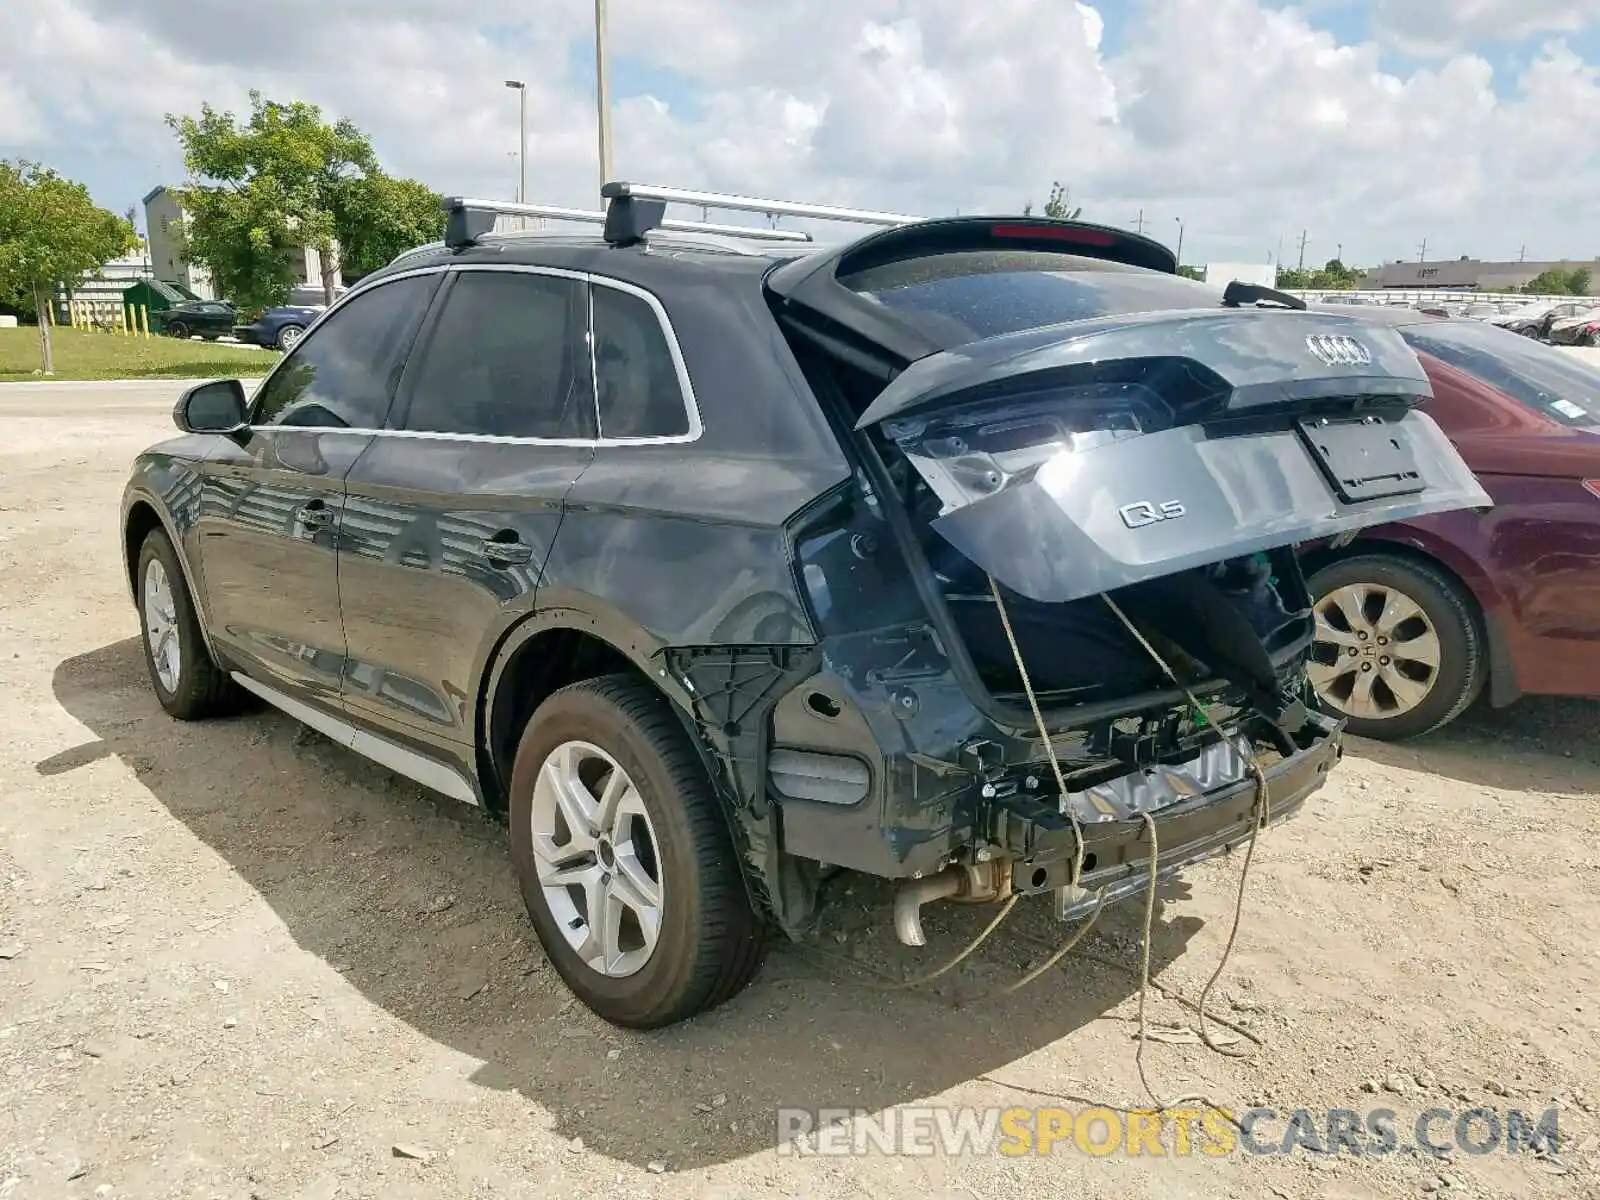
x=966, y=296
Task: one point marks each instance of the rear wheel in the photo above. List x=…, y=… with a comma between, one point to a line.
x=624, y=857
x=1398, y=651
x=187, y=680
x=288, y=336
x=178, y=330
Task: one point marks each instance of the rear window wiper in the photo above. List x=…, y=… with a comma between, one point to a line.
x=1237, y=294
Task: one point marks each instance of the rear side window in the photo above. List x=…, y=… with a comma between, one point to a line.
x=636, y=379
x=342, y=374
x=960, y=297
x=502, y=360
x=1550, y=381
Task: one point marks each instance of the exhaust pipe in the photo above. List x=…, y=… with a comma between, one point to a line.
x=978, y=884
x=912, y=895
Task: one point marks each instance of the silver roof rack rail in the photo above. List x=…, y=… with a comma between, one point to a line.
x=470, y=219
x=772, y=208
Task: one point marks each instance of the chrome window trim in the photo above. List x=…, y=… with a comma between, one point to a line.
x=674, y=350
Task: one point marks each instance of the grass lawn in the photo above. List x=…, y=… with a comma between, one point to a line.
x=82, y=354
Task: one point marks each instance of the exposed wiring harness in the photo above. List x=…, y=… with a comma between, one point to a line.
x=1261, y=815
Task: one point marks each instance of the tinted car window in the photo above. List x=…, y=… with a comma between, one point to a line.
x=636, y=380
x=502, y=360
x=1555, y=383
x=956, y=298
x=342, y=373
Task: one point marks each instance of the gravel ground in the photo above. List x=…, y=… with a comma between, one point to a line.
x=236, y=961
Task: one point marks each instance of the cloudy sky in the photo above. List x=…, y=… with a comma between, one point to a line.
x=1371, y=124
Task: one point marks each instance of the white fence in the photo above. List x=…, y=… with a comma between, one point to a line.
x=1436, y=296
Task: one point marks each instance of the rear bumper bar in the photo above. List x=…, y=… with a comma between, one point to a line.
x=1116, y=853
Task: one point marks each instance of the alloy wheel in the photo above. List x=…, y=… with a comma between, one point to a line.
x=161, y=625
x=1376, y=654
x=597, y=858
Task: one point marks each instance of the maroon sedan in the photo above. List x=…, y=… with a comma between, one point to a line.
x=1415, y=619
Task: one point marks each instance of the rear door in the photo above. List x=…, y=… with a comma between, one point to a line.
x=272, y=500
x=454, y=508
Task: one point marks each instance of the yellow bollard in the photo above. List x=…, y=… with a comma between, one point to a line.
x=144, y=319
x=122, y=319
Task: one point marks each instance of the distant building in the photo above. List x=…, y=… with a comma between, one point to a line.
x=1471, y=274
x=163, y=217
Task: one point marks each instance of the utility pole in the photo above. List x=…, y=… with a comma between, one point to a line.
x=521, y=89
x=1139, y=221
x=1339, y=253
x=1179, y=220
x=1522, y=255
x=1422, y=253
x=602, y=90
x=1303, y=234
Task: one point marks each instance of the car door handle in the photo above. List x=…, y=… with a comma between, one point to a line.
x=315, y=515
x=507, y=553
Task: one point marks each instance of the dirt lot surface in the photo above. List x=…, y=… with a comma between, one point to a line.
x=236, y=961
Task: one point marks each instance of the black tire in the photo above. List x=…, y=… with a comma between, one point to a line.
x=292, y=332
x=711, y=940
x=178, y=330
x=1463, y=667
x=202, y=688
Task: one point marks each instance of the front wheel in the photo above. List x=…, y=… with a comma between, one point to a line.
x=624, y=857
x=178, y=330
x=1397, y=650
x=288, y=336
x=187, y=680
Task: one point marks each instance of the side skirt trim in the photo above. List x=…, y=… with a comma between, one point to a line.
x=419, y=768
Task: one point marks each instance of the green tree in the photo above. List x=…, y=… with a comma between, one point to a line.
x=52, y=232
x=1192, y=273
x=1057, y=205
x=378, y=216
x=261, y=188
x=1556, y=282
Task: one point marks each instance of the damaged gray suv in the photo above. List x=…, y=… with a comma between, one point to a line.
x=960, y=555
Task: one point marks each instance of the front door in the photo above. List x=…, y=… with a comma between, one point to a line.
x=452, y=512
x=271, y=502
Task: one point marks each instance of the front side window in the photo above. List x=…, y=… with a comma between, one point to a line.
x=636, y=378
x=341, y=375
x=503, y=360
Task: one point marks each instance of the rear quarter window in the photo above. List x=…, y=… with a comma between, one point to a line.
x=968, y=295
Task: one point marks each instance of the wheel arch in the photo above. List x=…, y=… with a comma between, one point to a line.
x=1470, y=583
x=549, y=649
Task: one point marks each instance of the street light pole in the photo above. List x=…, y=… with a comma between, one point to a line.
x=1179, y=220
x=522, y=138
x=602, y=90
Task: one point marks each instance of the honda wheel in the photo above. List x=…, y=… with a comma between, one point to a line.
x=1397, y=650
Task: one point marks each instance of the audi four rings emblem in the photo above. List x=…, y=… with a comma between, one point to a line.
x=1338, y=350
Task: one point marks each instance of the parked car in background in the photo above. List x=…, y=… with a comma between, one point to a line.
x=1580, y=330
x=278, y=328
x=209, y=319
x=1416, y=618
x=1535, y=320
x=1481, y=311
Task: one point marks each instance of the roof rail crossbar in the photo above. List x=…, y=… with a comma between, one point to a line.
x=461, y=231
x=776, y=208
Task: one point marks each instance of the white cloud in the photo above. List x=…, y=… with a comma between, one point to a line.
x=1239, y=117
x=1443, y=26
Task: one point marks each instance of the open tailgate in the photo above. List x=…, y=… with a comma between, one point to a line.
x=1089, y=456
